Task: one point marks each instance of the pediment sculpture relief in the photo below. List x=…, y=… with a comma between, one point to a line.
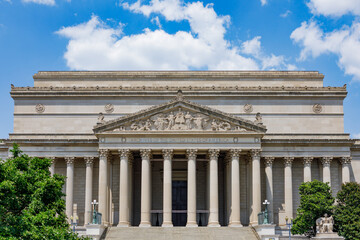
x=179, y=120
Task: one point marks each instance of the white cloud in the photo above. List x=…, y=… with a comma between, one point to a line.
x=334, y=8
x=356, y=136
x=252, y=46
x=344, y=42
x=263, y=2
x=285, y=14
x=93, y=45
x=42, y=2
x=156, y=21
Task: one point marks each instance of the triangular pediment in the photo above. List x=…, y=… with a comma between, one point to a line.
x=179, y=115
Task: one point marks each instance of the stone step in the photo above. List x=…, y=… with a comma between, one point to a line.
x=180, y=233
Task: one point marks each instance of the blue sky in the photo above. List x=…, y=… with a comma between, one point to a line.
x=322, y=35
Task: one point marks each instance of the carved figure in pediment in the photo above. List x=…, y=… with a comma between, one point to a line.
x=199, y=121
x=188, y=119
x=240, y=129
x=220, y=126
x=180, y=121
x=171, y=120
x=145, y=126
x=100, y=118
x=160, y=122
x=135, y=126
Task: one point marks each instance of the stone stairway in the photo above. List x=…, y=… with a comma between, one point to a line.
x=180, y=233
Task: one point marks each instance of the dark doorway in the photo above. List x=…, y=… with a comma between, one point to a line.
x=179, y=202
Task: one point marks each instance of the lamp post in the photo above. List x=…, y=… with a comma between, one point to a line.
x=289, y=225
x=266, y=214
x=74, y=221
x=94, y=203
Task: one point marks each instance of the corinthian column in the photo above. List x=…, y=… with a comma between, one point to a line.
x=145, y=188
x=256, y=190
x=88, y=188
x=326, y=161
x=69, y=185
x=167, y=192
x=269, y=186
x=191, y=203
x=307, y=168
x=345, y=163
x=52, y=167
x=103, y=184
x=124, y=188
x=214, y=190
x=288, y=187
x=235, y=189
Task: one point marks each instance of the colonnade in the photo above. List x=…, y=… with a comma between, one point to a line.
x=125, y=201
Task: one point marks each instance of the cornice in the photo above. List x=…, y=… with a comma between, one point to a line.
x=177, y=74
x=349, y=142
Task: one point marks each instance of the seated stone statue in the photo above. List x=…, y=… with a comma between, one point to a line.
x=325, y=224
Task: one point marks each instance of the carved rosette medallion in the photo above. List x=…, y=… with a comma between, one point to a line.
x=326, y=161
x=288, y=161
x=269, y=161
x=124, y=153
x=317, y=108
x=307, y=161
x=104, y=153
x=167, y=153
x=345, y=160
x=214, y=153
x=234, y=153
x=109, y=108
x=40, y=108
x=191, y=153
x=69, y=160
x=89, y=161
x=248, y=108
x=145, y=154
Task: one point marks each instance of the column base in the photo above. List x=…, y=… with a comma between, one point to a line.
x=235, y=224
x=213, y=224
x=167, y=224
x=191, y=224
x=145, y=224
x=123, y=224
x=254, y=223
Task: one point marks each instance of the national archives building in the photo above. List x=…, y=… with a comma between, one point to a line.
x=180, y=148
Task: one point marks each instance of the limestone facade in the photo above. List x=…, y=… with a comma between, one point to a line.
x=185, y=148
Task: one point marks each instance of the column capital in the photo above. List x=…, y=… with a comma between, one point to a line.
x=288, y=161
x=191, y=153
x=269, y=161
x=326, y=161
x=69, y=160
x=255, y=152
x=234, y=153
x=168, y=153
x=53, y=159
x=307, y=161
x=124, y=153
x=89, y=161
x=145, y=154
x=214, y=153
x=345, y=160
x=104, y=152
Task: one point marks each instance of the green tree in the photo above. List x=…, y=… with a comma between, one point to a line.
x=315, y=200
x=347, y=211
x=31, y=201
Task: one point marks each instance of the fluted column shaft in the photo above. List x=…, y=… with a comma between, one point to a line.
x=307, y=168
x=235, y=189
x=103, y=184
x=191, y=202
x=52, y=166
x=88, y=188
x=69, y=186
x=345, y=164
x=145, y=188
x=256, y=188
x=326, y=161
x=167, y=192
x=214, y=190
x=269, y=186
x=124, y=188
x=288, y=187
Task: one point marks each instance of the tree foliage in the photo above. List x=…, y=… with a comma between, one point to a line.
x=31, y=201
x=315, y=200
x=347, y=211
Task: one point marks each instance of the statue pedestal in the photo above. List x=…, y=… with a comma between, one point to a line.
x=94, y=231
x=328, y=236
x=266, y=231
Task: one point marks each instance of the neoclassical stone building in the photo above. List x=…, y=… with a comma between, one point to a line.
x=185, y=148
